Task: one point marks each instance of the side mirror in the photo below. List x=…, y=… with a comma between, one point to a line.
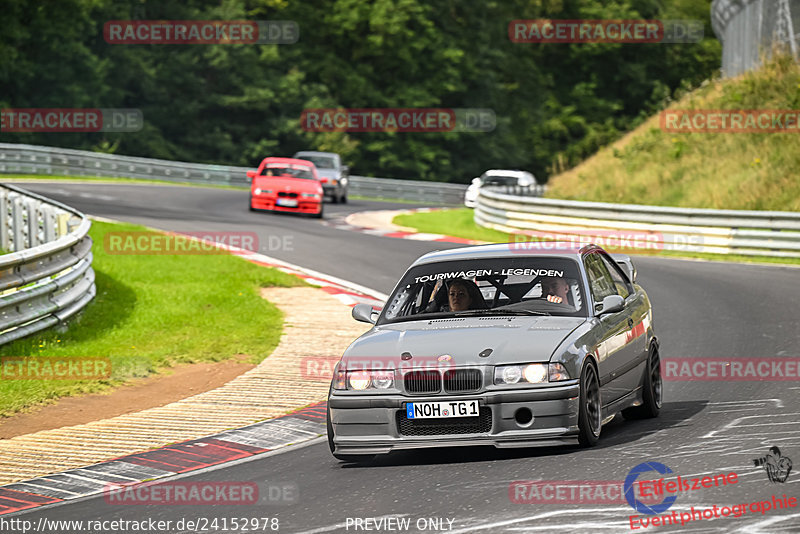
x=251, y=175
x=363, y=312
x=611, y=304
x=476, y=181
x=345, y=170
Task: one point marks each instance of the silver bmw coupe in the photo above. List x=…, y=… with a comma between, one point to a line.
x=511, y=345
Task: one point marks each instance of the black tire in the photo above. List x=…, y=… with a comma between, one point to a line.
x=343, y=200
x=319, y=215
x=652, y=390
x=591, y=407
x=250, y=204
x=352, y=458
x=334, y=198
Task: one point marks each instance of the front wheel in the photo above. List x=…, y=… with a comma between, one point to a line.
x=319, y=214
x=653, y=386
x=250, y=204
x=589, y=413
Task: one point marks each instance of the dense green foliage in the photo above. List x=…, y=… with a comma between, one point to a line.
x=234, y=104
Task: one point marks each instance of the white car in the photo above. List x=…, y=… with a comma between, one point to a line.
x=496, y=177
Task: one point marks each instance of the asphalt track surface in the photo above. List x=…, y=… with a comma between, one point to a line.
x=701, y=309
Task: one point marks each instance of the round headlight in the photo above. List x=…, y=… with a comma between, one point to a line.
x=535, y=373
x=257, y=191
x=382, y=380
x=511, y=375
x=359, y=380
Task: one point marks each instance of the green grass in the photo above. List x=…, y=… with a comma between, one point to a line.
x=112, y=179
x=460, y=223
x=452, y=222
x=152, y=312
x=751, y=171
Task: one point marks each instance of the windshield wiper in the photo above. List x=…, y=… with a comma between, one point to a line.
x=499, y=311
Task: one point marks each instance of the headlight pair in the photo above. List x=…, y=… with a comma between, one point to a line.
x=530, y=373
x=363, y=380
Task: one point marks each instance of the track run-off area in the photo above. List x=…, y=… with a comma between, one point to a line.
x=701, y=310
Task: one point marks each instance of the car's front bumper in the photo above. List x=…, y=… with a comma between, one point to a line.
x=264, y=202
x=333, y=189
x=369, y=424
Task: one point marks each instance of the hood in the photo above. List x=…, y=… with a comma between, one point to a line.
x=512, y=339
x=328, y=173
x=283, y=183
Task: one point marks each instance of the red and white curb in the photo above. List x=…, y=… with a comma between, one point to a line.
x=346, y=223
x=300, y=426
x=303, y=425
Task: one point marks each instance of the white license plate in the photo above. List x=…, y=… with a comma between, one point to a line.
x=439, y=410
x=287, y=202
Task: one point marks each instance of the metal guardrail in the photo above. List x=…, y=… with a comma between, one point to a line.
x=31, y=159
x=648, y=228
x=750, y=28
x=46, y=271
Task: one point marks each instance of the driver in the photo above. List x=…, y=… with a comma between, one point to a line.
x=458, y=295
x=555, y=289
x=461, y=295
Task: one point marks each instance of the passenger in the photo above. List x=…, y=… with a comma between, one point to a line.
x=555, y=289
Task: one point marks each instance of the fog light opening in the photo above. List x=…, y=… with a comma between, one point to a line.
x=523, y=417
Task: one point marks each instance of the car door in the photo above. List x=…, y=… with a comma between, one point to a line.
x=616, y=355
x=637, y=311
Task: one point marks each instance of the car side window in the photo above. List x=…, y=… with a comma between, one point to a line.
x=600, y=280
x=623, y=288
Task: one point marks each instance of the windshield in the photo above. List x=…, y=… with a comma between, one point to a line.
x=500, y=180
x=483, y=287
x=322, y=162
x=281, y=169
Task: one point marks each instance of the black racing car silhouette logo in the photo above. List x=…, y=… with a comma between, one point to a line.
x=777, y=467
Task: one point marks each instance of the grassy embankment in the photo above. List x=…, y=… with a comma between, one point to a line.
x=749, y=171
x=152, y=312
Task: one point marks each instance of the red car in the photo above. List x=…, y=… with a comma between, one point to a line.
x=285, y=184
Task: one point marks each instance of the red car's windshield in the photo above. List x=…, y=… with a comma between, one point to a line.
x=294, y=171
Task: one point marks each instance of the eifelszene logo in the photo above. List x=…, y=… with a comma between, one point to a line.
x=636, y=504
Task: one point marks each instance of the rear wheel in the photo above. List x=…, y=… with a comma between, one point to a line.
x=589, y=413
x=653, y=386
x=353, y=458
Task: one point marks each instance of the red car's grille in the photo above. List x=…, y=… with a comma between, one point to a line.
x=288, y=195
